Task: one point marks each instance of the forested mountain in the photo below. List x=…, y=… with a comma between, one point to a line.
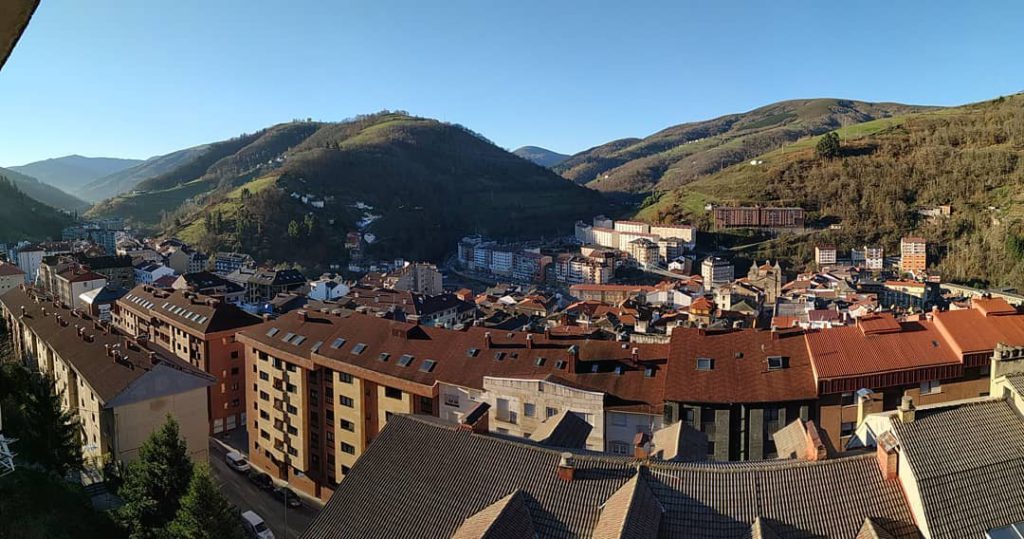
x=540, y=156
x=969, y=157
x=45, y=193
x=73, y=172
x=125, y=180
x=682, y=153
x=24, y=218
x=415, y=184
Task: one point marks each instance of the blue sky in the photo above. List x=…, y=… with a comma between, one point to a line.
x=137, y=78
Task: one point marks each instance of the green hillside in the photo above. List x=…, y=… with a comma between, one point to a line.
x=125, y=180
x=428, y=183
x=679, y=154
x=24, y=218
x=969, y=157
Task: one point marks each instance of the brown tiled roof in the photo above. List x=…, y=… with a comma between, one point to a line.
x=861, y=350
x=10, y=269
x=459, y=357
x=453, y=475
x=197, y=312
x=633, y=512
x=564, y=429
x=507, y=518
x=968, y=463
x=970, y=331
x=740, y=372
x=107, y=376
x=77, y=275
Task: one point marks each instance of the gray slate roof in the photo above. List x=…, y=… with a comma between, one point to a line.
x=450, y=475
x=968, y=460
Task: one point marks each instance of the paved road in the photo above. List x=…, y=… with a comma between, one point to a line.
x=247, y=497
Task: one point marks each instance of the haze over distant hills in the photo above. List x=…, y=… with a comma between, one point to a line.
x=45, y=193
x=541, y=156
x=681, y=153
x=125, y=180
x=71, y=173
x=417, y=185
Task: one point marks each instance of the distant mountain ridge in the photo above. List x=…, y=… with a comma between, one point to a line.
x=679, y=154
x=415, y=185
x=72, y=172
x=125, y=180
x=541, y=156
x=43, y=192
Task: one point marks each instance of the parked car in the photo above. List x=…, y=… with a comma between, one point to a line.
x=236, y=461
x=261, y=480
x=288, y=495
x=255, y=527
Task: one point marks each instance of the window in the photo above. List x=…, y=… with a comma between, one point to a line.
x=347, y=425
x=234, y=355
x=234, y=370
x=405, y=360
x=337, y=343
x=329, y=414
x=345, y=470
x=383, y=356
x=846, y=428
x=235, y=403
x=272, y=331
x=293, y=452
x=426, y=405
x=392, y=393
x=289, y=367
x=265, y=435
x=618, y=448
x=345, y=378
x=358, y=349
x=705, y=364
x=346, y=401
x=472, y=352
x=428, y=365
x=292, y=430
x=291, y=388
x=451, y=399
x=846, y=399
x=330, y=436
x=498, y=356
x=559, y=364
x=264, y=376
x=776, y=363
x=549, y=411
x=287, y=336
x=540, y=361
x=264, y=396
x=264, y=415
x=648, y=372
x=347, y=448
x=930, y=387
x=529, y=409
x=292, y=409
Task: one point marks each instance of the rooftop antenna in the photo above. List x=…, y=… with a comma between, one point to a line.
x=6, y=456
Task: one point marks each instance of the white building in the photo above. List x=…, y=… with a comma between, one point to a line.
x=150, y=272
x=330, y=286
x=29, y=260
x=716, y=272
x=825, y=255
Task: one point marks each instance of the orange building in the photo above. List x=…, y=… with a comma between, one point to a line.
x=913, y=255
x=200, y=330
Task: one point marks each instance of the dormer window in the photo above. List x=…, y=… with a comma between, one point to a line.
x=777, y=362
x=705, y=364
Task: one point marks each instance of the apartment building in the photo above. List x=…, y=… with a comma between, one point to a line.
x=716, y=272
x=29, y=258
x=874, y=257
x=609, y=293
x=325, y=384
x=913, y=255
x=418, y=277
x=69, y=284
x=644, y=251
x=825, y=255
x=119, y=388
x=199, y=330
x=672, y=240
x=224, y=263
x=11, y=276
x=184, y=259
x=210, y=284
x=738, y=387
x=756, y=217
x=262, y=285
x=576, y=269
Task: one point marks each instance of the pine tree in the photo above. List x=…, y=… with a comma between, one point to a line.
x=155, y=483
x=56, y=445
x=205, y=513
x=828, y=146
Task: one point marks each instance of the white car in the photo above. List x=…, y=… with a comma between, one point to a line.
x=236, y=461
x=255, y=527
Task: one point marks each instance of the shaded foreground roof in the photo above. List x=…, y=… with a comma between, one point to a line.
x=105, y=374
x=968, y=460
x=453, y=475
x=14, y=17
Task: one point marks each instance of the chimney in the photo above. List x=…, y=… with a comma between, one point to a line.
x=303, y=315
x=907, y=411
x=566, y=468
x=44, y=311
x=153, y=358
x=476, y=420
x=574, y=356
x=487, y=339
x=106, y=349
x=635, y=355
x=888, y=457
x=266, y=317
x=815, y=447
x=775, y=333
x=23, y=310
x=642, y=446
x=529, y=340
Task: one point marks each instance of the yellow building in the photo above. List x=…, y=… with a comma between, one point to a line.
x=120, y=390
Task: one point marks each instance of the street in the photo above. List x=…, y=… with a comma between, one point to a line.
x=246, y=496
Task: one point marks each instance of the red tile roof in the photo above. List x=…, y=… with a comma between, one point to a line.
x=878, y=348
x=10, y=269
x=970, y=331
x=740, y=372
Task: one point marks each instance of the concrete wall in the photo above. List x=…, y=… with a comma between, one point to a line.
x=547, y=399
x=134, y=423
